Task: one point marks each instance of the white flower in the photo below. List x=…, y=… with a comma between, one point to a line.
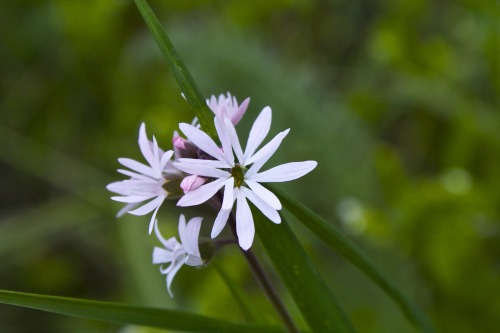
x=239, y=182
x=177, y=254
x=227, y=106
x=146, y=182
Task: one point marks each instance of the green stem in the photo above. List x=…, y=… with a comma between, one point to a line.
x=265, y=283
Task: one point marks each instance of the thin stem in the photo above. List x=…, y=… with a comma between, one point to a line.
x=265, y=283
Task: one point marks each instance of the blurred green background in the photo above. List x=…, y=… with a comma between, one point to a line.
x=397, y=100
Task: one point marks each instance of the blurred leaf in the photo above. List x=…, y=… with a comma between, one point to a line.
x=181, y=73
x=312, y=296
x=351, y=252
x=124, y=314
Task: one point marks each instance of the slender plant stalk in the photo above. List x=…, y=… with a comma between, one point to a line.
x=265, y=283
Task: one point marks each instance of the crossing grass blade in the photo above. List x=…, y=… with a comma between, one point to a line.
x=312, y=296
x=344, y=246
x=124, y=314
x=181, y=73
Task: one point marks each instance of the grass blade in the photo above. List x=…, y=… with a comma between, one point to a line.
x=312, y=296
x=124, y=314
x=343, y=245
x=181, y=73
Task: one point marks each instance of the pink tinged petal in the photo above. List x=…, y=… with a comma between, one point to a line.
x=202, y=141
x=264, y=154
x=201, y=194
x=245, y=228
x=190, y=241
x=138, y=167
x=235, y=142
x=267, y=196
x=191, y=183
x=201, y=170
x=145, y=146
x=241, y=111
x=220, y=221
x=178, y=141
x=285, y=172
x=259, y=131
x=171, y=275
x=225, y=140
x=228, y=200
x=267, y=210
x=149, y=207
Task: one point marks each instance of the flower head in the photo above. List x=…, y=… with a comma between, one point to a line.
x=227, y=106
x=177, y=254
x=240, y=176
x=146, y=181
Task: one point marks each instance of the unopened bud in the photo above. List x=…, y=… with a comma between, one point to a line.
x=191, y=183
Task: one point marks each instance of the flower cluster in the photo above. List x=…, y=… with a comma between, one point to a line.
x=197, y=170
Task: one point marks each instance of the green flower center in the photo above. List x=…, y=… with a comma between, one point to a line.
x=238, y=173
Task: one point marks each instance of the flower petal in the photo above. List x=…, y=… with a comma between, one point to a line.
x=149, y=207
x=264, y=154
x=133, y=198
x=225, y=140
x=220, y=221
x=201, y=170
x=208, y=163
x=171, y=275
x=245, y=228
x=236, y=117
x=285, y=172
x=126, y=208
x=235, y=142
x=190, y=239
x=201, y=194
x=145, y=146
x=269, y=197
x=259, y=131
x=227, y=201
x=267, y=210
x=138, y=167
x=202, y=141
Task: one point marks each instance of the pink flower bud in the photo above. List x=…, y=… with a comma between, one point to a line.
x=179, y=142
x=191, y=183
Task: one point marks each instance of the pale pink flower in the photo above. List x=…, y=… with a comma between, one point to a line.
x=227, y=106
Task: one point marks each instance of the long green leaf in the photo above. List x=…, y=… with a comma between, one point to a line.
x=353, y=253
x=181, y=73
x=312, y=296
x=124, y=314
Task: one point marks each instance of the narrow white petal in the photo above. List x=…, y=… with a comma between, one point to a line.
x=201, y=194
x=285, y=172
x=200, y=170
x=165, y=158
x=161, y=256
x=265, y=153
x=235, y=142
x=144, y=145
x=138, y=167
x=192, y=260
x=153, y=222
x=147, y=208
x=207, y=163
x=126, y=208
x=259, y=131
x=245, y=228
x=190, y=241
x=135, y=175
x=133, y=198
x=202, y=141
x=220, y=222
x=269, y=197
x=171, y=275
x=228, y=200
x=267, y=210
x=224, y=139
x=160, y=237
x=156, y=156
